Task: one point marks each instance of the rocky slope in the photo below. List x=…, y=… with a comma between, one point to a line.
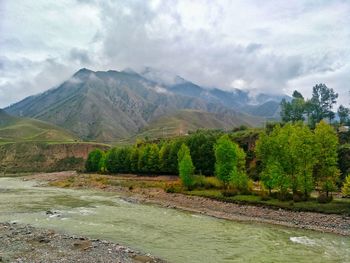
x=40, y=157
x=107, y=105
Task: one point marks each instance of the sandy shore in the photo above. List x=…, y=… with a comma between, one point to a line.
x=21, y=243
x=331, y=223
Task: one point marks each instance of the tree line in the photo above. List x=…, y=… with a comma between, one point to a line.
x=317, y=108
x=291, y=158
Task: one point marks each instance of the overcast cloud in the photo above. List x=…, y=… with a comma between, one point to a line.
x=270, y=46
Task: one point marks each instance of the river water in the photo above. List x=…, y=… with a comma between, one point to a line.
x=167, y=233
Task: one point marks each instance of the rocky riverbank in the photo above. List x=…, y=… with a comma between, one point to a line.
x=331, y=223
x=22, y=243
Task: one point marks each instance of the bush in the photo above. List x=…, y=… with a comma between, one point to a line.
x=323, y=198
x=203, y=182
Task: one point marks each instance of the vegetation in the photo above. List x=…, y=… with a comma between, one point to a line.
x=186, y=167
x=288, y=160
x=346, y=187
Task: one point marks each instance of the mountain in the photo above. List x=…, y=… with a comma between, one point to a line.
x=260, y=104
x=183, y=121
x=109, y=105
x=16, y=129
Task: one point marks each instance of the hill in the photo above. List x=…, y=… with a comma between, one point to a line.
x=183, y=121
x=15, y=129
x=110, y=105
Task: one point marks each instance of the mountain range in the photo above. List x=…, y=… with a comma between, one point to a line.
x=110, y=105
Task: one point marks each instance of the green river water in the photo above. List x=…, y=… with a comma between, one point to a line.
x=167, y=233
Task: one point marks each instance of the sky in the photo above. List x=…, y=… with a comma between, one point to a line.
x=259, y=46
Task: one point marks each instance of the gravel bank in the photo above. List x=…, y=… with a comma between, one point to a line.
x=22, y=243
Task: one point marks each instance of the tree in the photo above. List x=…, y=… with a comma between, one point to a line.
x=287, y=158
x=293, y=111
x=343, y=114
x=153, y=159
x=182, y=152
x=230, y=162
x=173, y=158
x=186, y=170
x=143, y=159
x=134, y=159
x=93, y=160
x=321, y=103
x=346, y=187
x=164, y=158
x=201, y=144
x=102, y=163
x=326, y=171
x=112, y=161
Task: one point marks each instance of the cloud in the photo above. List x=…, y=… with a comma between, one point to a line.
x=274, y=46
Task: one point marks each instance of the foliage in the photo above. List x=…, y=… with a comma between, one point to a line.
x=93, y=160
x=346, y=187
x=293, y=111
x=287, y=158
x=230, y=162
x=321, y=104
x=186, y=167
x=343, y=114
x=326, y=172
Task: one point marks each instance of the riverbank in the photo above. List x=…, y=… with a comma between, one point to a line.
x=22, y=243
x=332, y=223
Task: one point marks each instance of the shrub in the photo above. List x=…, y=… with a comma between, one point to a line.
x=323, y=198
x=203, y=182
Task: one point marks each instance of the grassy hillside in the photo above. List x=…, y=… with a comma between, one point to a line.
x=17, y=129
x=183, y=121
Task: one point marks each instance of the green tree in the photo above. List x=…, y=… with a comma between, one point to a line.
x=102, y=163
x=230, y=162
x=346, y=187
x=111, y=162
x=182, y=152
x=153, y=159
x=144, y=153
x=93, y=160
x=186, y=170
x=175, y=146
x=134, y=159
x=164, y=158
x=321, y=103
x=343, y=114
x=326, y=171
x=293, y=111
x=287, y=158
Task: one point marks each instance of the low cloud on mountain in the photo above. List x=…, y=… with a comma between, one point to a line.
x=270, y=46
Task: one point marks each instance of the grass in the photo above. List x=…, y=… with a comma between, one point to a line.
x=337, y=206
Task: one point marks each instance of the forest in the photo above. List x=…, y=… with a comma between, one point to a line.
x=287, y=160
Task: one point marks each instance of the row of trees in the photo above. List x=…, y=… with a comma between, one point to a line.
x=297, y=158
x=158, y=158
x=319, y=107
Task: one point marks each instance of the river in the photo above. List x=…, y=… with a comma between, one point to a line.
x=170, y=234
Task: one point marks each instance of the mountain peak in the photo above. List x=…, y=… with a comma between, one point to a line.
x=83, y=72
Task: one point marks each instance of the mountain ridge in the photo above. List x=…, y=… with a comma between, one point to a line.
x=109, y=105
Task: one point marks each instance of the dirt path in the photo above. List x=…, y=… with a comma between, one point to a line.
x=331, y=223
